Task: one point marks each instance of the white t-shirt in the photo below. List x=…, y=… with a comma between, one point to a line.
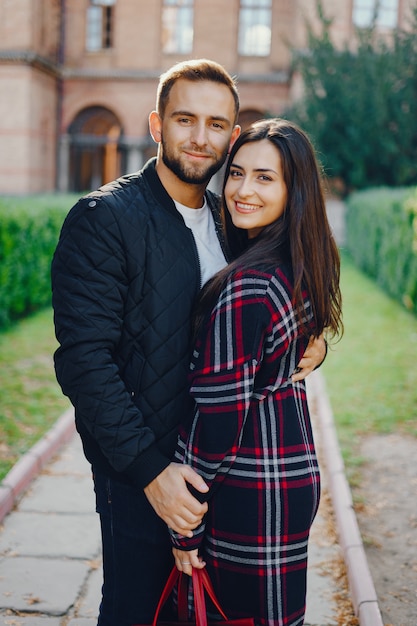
x=201, y=223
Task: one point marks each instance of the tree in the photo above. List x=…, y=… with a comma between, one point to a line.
x=360, y=105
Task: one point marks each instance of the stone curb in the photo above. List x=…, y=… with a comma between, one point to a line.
x=362, y=590
x=31, y=463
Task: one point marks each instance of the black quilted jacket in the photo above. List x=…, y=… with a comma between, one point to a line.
x=125, y=275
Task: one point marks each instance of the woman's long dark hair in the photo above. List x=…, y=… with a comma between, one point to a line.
x=302, y=235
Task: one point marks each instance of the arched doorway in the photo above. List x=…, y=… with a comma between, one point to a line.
x=95, y=154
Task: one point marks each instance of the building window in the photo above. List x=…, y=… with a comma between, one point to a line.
x=100, y=18
x=177, y=26
x=382, y=13
x=255, y=28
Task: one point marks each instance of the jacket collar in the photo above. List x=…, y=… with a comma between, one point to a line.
x=158, y=190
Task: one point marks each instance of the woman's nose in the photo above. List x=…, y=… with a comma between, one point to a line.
x=245, y=188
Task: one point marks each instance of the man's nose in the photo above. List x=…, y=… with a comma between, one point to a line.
x=199, y=135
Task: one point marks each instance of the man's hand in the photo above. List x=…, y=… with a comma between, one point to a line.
x=312, y=358
x=173, y=502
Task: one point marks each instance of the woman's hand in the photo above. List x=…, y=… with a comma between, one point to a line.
x=186, y=560
x=313, y=357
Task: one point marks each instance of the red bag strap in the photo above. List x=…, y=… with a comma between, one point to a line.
x=182, y=597
x=199, y=599
x=201, y=583
x=166, y=592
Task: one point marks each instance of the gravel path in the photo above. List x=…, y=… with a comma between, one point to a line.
x=386, y=510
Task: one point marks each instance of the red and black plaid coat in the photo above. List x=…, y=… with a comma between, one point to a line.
x=251, y=440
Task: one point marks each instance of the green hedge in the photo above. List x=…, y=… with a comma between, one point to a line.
x=381, y=237
x=29, y=230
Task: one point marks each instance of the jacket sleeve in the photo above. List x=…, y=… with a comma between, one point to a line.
x=89, y=285
x=246, y=327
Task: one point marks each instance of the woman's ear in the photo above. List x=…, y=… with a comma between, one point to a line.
x=155, y=126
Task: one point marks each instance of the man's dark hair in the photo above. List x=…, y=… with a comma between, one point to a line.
x=194, y=70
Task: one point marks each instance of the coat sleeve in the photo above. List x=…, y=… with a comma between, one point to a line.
x=89, y=285
x=248, y=325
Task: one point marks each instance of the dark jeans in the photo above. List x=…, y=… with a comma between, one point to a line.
x=137, y=555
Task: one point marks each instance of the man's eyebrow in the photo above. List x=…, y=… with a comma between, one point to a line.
x=185, y=113
x=218, y=118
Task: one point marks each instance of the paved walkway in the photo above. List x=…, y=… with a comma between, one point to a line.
x=50, y=561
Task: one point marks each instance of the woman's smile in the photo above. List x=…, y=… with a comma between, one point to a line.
x=246, y=208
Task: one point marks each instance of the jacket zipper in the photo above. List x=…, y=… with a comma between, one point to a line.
x=197, y=258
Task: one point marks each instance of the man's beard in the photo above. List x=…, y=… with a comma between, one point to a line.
x=191, y=174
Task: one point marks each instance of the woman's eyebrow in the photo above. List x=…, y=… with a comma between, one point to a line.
x=256, y=169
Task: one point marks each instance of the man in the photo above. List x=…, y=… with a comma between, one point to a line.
x=128, y=267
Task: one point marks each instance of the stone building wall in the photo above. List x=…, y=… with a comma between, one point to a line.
x=54, y=94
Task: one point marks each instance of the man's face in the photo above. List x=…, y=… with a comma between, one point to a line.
x=197, y=129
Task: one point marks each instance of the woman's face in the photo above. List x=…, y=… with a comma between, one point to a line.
x=255, y=192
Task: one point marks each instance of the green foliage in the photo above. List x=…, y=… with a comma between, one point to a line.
x=29, y=231
x=381, y=237
x=360, y=105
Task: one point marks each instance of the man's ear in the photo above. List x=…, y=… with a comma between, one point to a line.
x=235, y=134
x=155, y=126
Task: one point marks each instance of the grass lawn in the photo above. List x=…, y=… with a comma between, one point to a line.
x=30, y=398
x=371, y=374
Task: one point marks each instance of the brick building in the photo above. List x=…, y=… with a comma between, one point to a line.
x=78, y=77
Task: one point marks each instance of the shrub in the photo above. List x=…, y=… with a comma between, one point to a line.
x=381, y=237
x=29, y=231
x=360, y=104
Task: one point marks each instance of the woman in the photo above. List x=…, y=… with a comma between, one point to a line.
x=250, y=437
